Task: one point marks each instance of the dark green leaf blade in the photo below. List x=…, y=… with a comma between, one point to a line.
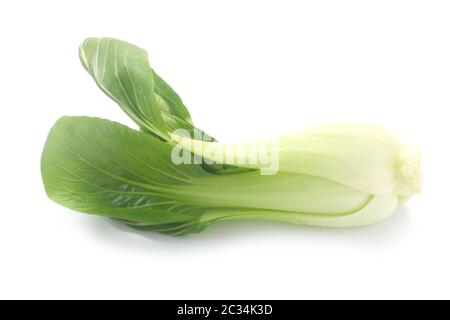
x=102, y=167
x=123, y=72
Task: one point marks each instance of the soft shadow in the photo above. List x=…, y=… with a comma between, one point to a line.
x=227, y=232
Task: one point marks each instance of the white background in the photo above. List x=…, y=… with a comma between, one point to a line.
x=245, y=69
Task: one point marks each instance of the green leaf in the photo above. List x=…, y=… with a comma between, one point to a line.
x=105, y=168
x=123, y=72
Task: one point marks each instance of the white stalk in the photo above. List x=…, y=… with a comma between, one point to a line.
x=362, y=156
